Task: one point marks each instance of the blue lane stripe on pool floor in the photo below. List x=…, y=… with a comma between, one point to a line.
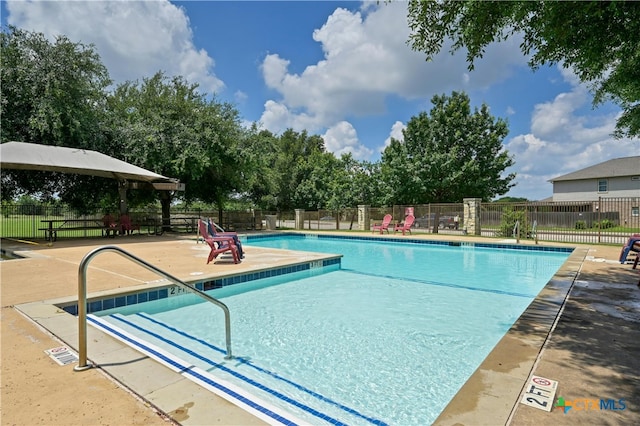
x=262, y=370
x=416, y=280
x=256, y=384
x=186, y=369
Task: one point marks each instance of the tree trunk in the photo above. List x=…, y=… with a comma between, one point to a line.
x=436, y=222
x=165, y=202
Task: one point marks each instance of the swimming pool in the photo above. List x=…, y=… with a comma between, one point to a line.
x=387, y=339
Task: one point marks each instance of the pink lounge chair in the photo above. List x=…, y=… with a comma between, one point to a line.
x=218, y=245
x=384, y=226
x=406, y=225
x=211, y=227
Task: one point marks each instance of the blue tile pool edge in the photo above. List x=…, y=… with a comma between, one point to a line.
x=409, y=240
x=98, y=304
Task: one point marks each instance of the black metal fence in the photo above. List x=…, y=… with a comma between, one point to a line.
x=607, y=220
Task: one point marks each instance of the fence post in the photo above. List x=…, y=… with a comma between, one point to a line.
x=472, y=215
x=364, y=217
x=599, y=221
x=299, y=218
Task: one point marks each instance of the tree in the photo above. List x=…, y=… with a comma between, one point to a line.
x=260, y=176
x=294, y=150
x=353, y=183
x=599, y=40
x=52, y=94
x=447, y=155
x=314, y=175
x=165, y=125
x=511, y=200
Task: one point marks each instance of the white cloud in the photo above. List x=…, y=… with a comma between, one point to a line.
x=135, y=39
x=240, y=96
x=342, y=138
x=556, y=116
x=396, y=133
x=366, y=60
x=277, y=118
x=562, y=140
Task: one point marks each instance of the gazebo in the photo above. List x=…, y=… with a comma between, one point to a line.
x=30, y=156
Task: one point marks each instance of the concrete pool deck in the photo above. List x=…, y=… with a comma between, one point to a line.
x=592, y=348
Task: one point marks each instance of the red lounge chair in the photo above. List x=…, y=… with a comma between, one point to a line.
x=110, y=226
x=384, y=226
x=406, y=225
x=126, y=227
x=212, y=226
x=218, y=245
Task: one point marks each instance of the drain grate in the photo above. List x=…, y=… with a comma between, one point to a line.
x=62, y=355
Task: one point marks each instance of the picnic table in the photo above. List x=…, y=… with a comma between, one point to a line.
x=53, y=226
x=186, y=223
x=155, y=225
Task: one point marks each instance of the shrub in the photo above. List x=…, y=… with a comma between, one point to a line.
x=604, y=224
x=581, y=224
x=508, y=222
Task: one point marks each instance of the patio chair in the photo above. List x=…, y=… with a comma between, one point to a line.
x=632, y=245
x=126, y=226
x=406, y=225
x=212, y=226
x=110, y=225
x=384, y=226
x=218, y=245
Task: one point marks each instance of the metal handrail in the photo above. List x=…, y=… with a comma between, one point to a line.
x=82, y=300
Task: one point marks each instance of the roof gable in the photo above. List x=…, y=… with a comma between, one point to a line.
x=617, y=167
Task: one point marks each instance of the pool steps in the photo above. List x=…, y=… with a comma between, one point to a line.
x=141, y=331
x=228, y=391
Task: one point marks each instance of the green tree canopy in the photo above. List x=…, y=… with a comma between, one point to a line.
x=261, y=153
x=295, y=150
x=165, y=125
x=599, y=40
x=52, y=94
x=447, y=155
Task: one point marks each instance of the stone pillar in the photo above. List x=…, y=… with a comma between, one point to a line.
x=299, y=218
x=364, y=217
x=471, y=220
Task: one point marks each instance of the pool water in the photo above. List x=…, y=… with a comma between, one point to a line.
x=387, y=339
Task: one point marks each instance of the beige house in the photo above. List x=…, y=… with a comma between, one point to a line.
x=611, y=189
x=617, y=178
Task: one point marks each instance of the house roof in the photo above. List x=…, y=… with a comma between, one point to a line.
x=617, y=167
x=30, y=156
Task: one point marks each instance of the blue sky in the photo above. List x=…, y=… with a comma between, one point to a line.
x=341, y=70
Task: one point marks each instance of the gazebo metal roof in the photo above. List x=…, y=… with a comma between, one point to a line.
x=30, y=156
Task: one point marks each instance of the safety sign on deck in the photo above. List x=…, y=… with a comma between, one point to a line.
x=62, y=355
x=540, y=393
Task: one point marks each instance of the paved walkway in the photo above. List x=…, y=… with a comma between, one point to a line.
x=592, y=352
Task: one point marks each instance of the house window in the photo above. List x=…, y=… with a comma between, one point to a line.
x=635, y=211
x=603, y=185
